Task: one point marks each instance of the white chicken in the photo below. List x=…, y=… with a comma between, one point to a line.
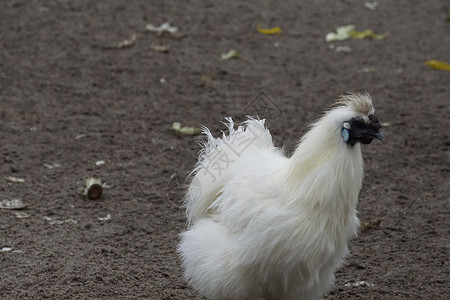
x=264, y=225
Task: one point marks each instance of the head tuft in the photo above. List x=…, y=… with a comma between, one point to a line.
x=360, y=103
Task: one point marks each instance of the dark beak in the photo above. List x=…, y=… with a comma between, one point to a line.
x=379, y=136
x=375, y=127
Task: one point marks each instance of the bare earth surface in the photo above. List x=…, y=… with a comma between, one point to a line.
x=69, y=99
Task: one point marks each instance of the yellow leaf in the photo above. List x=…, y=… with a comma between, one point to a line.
x=439, y=65
x=231, y=54
x=366, y=33
x=186, y=129
x=273, y=30
x=342, y=33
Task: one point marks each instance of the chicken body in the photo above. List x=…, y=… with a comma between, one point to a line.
x=264, y=225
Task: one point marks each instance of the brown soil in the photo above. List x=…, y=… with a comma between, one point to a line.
x=67, y=101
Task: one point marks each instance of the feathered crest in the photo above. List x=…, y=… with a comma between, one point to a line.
x=361, y=103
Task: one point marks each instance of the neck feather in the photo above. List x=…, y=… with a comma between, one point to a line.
x=324, y=170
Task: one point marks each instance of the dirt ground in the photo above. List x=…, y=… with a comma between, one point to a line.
x=70, y=97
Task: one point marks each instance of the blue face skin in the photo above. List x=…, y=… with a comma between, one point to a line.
x=345, y=134
x=356, y=130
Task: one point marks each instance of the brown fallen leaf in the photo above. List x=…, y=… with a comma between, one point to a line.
x=208, y=78
x=128, y=43
x=160, y=48
x=125, y=43
x=369, y=225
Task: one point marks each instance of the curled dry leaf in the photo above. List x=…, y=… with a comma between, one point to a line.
x=345, y=49
x=14, y=204
x=365, y=34
x=438, y=65
x=21, y=215
x=164, y=29
x=360, y=283
x=370, y=225
x=371, y=5
x=14, y=179
x=208, y=77
x=273, y=30
x=342, y=33
x=124, y=44
x=54, y=221
x=93, y=188
x=160, y=48
x=233, y=53
x=52, y=166
x=186, y=129
x=339, y=49
x=128, y=43
x=368, y=70
x=348, y=31
x=104, y=219
x=100, y=163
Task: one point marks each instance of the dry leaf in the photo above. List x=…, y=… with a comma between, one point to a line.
x=107, y=218
x=348, y=31
x=339, y=49
x=438, y=65
x=54, y=221
x=369, y=225
x=14, y=204
x=186, y=129
x=208, y=78
x=128, y=43
x=160, y=48
x=371, y=5
x=360, y=283
x=231, y=54
x=165, y=29
x=121, y=45
x=366, y=33
x=14, y=179
x=93, y=188
x=52, y=166
x=21, y=215
x=273, y=30
x=342, y=33
x=368, y=70
x=100, y=163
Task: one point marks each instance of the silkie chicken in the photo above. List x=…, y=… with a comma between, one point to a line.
x=262, y=225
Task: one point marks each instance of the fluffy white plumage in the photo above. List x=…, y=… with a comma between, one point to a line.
x=264, y=225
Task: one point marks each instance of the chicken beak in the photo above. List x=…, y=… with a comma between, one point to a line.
x=379, y=136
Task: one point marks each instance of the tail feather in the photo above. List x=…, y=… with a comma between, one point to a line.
x=216, y=161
